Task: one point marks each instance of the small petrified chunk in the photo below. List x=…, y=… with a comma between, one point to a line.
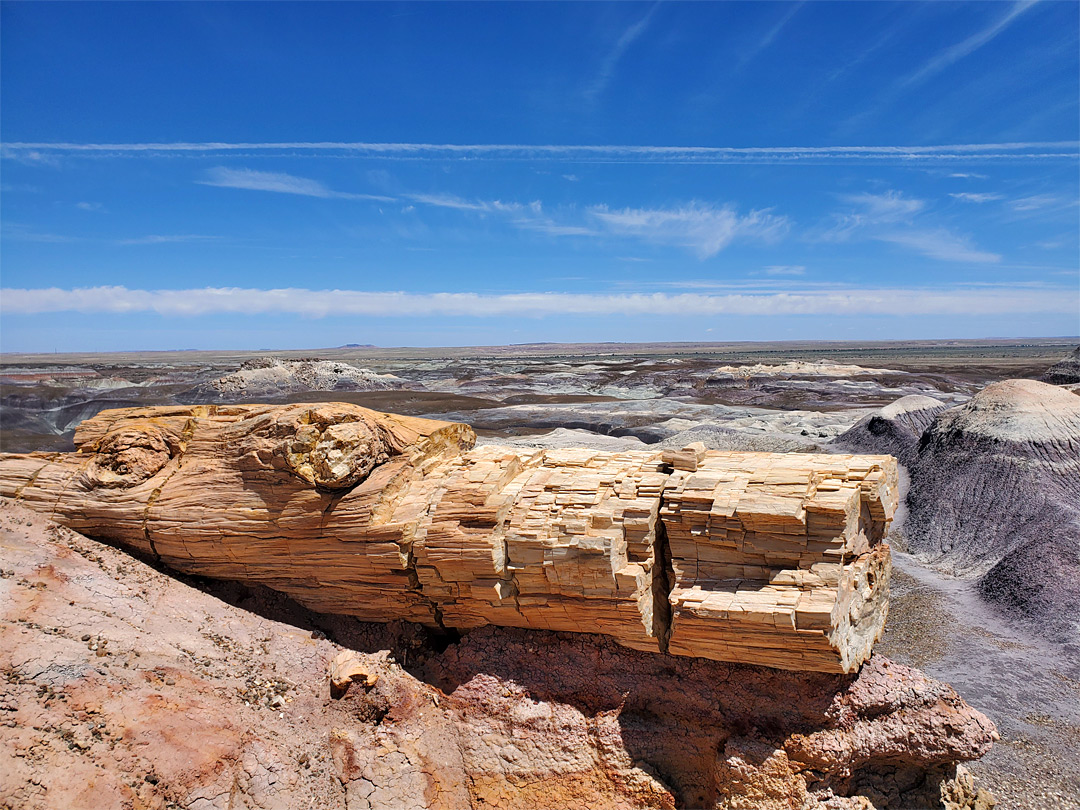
x=346, y=668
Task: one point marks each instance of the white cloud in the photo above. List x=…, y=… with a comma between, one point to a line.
x=939, y=244
x=973, y=197
x=163, y=239
x=32, y=156
x=613, y=57
x=24, y=233
x=703, y=228
x=892, y=217
x=1002, y=300
x=279, y=182
x=785, y=270
x=13, y=188
x=90, y=206
x=1035, y=202
x=969, y=45
x=552, y=228
x=769, y=37
x=874, y=211
x=706, y=229
x=460, y=204
x=971, y=175
x=1027, y=150
x=530, y=217
x=888, y=207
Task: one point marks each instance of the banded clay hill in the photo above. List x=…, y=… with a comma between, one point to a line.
x=1066, y=371
x=272, y=377
x=994, y=493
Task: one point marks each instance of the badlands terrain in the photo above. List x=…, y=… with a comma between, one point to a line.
x=115, y=666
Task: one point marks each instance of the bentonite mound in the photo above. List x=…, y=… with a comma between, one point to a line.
x=126, y=688
x=995, y=496
x=1066, y=371
x=895, y=429
x=270, y=376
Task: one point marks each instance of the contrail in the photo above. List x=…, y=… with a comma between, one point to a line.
x=1028, y=150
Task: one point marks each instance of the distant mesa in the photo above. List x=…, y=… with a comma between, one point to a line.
x=358, y=346
x=995, y=493
x=1066, y=371
x=799, y=368
x=263, y=377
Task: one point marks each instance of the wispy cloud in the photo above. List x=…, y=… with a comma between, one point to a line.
x=18, y=187
x=90, y=206
x=31, y=156
x=888, y=207
x=770, y=36
x=703, y=228
x=897, y=219
x=615, y=55
x=461, y=204
x=1004, y=300
x=967, y=46
x=939, y=243
x=24, y=233
x=973, y=197
x=1031, y=150
x=871, y=211
x=165, y=239
x=968, y=175
x=533, y=218
x=279, y=182
x=785, y=270
x=1038, y=201
x=529, y=216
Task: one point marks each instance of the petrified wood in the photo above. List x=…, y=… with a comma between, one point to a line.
x=760, y=558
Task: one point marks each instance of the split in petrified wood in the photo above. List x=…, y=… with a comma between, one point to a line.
x=758, y=558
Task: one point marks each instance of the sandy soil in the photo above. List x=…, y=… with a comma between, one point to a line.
x=1028, y=686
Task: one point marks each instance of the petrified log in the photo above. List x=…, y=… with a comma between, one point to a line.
x=755, y=558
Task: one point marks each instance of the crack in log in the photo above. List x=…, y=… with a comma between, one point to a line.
x=663, y=581
x=181, y=448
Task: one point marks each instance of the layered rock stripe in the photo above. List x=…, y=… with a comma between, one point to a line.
x=759, y=558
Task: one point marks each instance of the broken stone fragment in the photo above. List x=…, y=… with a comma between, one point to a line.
x=686, y=459
x=346, y=668
x=960, y=793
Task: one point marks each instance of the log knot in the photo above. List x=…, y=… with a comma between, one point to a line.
x=336, y=449
x=128, y=456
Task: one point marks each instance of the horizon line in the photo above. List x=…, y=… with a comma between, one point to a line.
x=310, y=303
x=540, y=343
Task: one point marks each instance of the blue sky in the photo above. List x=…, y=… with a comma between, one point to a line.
x=247, y=175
